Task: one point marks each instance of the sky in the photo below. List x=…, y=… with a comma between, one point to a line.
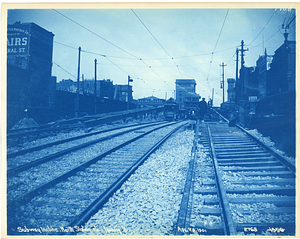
x=156, y=46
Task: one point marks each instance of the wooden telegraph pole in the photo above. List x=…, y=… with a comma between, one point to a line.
x=76, y=106
x=223, y=85
x=95, y=91
x=128, y=91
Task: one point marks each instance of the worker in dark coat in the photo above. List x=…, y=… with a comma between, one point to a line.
x=202, y=108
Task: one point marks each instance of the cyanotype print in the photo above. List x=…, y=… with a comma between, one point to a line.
x=151, y=121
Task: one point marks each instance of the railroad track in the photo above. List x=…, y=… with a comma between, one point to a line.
x=69, y=198
x=21, y=135
x=80, y=141
x=236, y=185
x=32, y=169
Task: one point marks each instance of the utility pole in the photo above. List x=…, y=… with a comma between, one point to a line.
x=223, y=79
x=95, y=91
x=237, y=83
x=129, y=80
x=82, y=84
x=242, y=70
x=76, y=107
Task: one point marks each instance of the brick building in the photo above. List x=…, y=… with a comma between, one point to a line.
x=30, y=84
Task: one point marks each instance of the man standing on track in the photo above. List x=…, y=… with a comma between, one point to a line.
x=202, y=108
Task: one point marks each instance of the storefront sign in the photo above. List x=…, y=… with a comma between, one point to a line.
x=18, y=40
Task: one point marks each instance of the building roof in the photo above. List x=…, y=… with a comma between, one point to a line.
x=189, y=81
x=18, y=24
x=150, y=97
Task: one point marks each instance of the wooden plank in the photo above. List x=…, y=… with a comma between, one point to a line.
x=272, y=168
x=278, y=201
x=210, y=211
x=257, y=164
x=211, y=201
x=239, y=146
x=277, y=181
x=206, y=191
x=226, y=149
x=233, y=152
x=263, y=159
x=267, y=190
x=246, y=155
x=272, y=174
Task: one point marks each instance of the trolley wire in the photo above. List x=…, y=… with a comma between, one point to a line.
x=212, y=54
x=64, y=69
x=96, y=34
x=262, y=29
x=113, y=45
x=157, y=41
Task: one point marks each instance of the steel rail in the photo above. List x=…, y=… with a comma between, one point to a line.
x=188, y=187
x=29, y=150
x=252, y=165
x=11, y=205
x=99, y=202
x=263, y=145
x=13, y=171
x=228, y=220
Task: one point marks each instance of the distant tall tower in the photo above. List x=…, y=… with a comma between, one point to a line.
x=231, y=90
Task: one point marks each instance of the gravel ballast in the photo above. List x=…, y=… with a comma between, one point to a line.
x=148, y=203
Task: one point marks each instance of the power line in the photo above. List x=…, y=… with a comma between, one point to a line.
x=212, y=54
x=267, y=39
x=128, y=73
x=231, y=58
x=178, y=57
x=110, y=43
x=220, y=31
x=157, y=41
x=106, y=57
x=66, y=45
x=64, y=69
x=285, y=18
x=96, y=34
x=262, y=29
x=94, y=53
x=102, y=56
x=290, y=17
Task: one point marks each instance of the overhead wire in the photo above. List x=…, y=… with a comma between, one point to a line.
x=212, y=54
x=107, y=58
x=64, y=69
x=267, y=39
x=113, y=45
x=96, y=34
x=288, y=24
x=285, y=18
x=156, y=41
x=262, y=28
x=123, y=70
x=292, y=15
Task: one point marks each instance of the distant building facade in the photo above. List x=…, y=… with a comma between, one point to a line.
x=104, y=88
x=186, y=91
x=66, y=85
x=272, y=75
x=123, y=93
x=282, y=75
x=150, y=101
